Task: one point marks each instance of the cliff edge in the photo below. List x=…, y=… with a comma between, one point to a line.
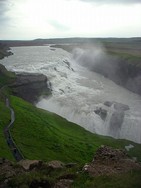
x=30, y=86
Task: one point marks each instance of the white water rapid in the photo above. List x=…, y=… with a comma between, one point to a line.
x=77, y=92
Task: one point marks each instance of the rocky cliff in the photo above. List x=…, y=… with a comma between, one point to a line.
x=30, y=86
x=4, y=51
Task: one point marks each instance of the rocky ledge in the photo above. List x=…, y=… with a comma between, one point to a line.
x=30, y=86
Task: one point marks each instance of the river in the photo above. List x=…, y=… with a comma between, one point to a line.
x=78, y=92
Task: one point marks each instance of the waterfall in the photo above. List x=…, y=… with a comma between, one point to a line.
x=77, y=92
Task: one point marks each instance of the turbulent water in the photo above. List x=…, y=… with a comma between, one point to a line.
x=77, y=92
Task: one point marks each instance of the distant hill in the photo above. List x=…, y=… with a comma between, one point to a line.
x=134, y=40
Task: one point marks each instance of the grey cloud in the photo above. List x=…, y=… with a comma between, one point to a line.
x=59, y=26
x=112, y=1
x=4, y=7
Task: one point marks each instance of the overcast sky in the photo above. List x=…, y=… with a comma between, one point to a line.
x=30, y=19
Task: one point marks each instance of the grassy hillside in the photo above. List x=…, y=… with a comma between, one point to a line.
x=4, y=120
x=44, y=135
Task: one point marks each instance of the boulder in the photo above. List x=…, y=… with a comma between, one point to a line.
x=117, y=106
x=29, y=164
x=108, y=103
x=120, y=106
x=56, y=164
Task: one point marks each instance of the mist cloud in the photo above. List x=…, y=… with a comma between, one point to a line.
x=96, y=59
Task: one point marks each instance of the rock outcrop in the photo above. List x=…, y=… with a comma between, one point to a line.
x=4, y=51
x=101, y=112
x=30, y=86
x=108, y=161
x=35, y=173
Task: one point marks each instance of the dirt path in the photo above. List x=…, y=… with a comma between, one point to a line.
x=12, y=145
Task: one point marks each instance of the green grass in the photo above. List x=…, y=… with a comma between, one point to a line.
x=126, y=56
x=4, y=120
x=44, y=135
x=131, y=179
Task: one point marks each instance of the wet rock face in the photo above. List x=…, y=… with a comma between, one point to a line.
x=116, y=122
x=135, y=84
x=120, y=106
x=101, y=112
x=108, y=103
x=30, y=86
x=117, y=118
x=117, y=106
x=112, y=113
x=116, y=113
